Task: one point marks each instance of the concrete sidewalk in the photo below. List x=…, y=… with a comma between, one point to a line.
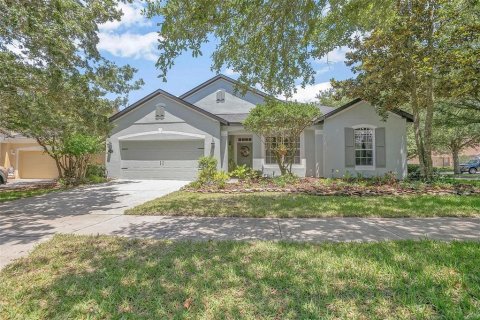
x=17, y=239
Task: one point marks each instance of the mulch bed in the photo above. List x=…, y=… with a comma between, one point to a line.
x=29, y=186
x=314, y=186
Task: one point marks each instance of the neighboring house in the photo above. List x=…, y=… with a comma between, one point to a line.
x=24, y=158
x=446, y=160
x=162, y=136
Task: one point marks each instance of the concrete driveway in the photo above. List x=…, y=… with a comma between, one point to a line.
x=25, y=222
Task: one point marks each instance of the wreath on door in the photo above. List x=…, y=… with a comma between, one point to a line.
x=244, y=151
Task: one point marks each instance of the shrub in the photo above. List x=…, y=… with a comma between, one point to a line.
x=96, y=173
x=286, y=179
x=209, y=175
x=220, y=179
x=244, y=172
x=414, y=172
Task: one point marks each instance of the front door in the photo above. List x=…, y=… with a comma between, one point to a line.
x=244, y=153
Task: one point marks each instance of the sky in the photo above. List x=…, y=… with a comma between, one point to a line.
x=133, y=41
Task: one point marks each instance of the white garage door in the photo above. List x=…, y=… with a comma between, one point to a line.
x=173, y=160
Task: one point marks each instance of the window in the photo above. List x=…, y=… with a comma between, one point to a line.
x=364, y=147
x=244, y=139
x=272, y=142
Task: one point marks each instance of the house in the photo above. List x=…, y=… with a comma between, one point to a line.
x=24, y=158
x=162, y=136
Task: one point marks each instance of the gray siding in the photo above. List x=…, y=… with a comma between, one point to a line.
x=234, y=102
x=178, y=118
x=364, y=114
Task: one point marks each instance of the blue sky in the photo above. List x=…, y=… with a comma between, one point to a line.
x=133, y=41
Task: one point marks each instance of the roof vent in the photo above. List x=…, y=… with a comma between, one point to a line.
x=220, y=96
x=160, y=111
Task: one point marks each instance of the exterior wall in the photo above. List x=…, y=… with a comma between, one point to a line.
x=206, y=98
x=364, y=114
x=187, y=123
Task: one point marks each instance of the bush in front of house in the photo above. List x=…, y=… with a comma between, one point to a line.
x=208, y=175
x=245, y=173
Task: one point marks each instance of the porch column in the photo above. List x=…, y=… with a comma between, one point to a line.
x=224, y=150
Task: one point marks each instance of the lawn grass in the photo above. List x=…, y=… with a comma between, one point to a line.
x=80, y=277
x=8, y=195
x=301, y=205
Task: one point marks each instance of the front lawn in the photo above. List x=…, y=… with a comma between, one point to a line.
x=283, y=205
x=79, y=277
x=13, y=194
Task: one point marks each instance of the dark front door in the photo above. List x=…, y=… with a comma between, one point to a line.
x=244, y=154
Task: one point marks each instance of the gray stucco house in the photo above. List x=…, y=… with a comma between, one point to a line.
x=162, y=136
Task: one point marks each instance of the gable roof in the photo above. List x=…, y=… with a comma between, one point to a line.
x=350, y=104
x=170, y=96
x=222, y=77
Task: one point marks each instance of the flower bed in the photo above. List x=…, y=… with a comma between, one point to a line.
x=339, y=187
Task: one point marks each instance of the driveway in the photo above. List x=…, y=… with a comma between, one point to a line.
x=25, y=222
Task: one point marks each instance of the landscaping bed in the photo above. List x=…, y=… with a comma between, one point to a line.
x=300, y=205
x=341, y=187
x=80, y=277
x=18, y=191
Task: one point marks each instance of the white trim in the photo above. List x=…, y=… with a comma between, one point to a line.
x=374, y=164
x=370, y=126
x=224, y=133
x=365, y=167
x=318, y=131
x=160, y=131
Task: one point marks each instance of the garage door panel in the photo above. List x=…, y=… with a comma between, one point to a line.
x=36, y=165
x=161, y=159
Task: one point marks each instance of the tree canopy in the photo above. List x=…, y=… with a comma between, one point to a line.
x=271, y=42
x=54, y=83
x=284, y=122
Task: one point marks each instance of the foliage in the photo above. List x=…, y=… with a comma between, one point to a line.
x=332, y=98
x=452, y=135
x=208, y=174
x=274, y=52
x=13, y=194
x=414, y=173
x=285, y=180
x=244, y=172
x=54, y=84
x=412, y=59
x=284, y=121
x=96, y=173
x=74, y=154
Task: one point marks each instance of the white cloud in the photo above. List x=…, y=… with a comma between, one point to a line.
x=309, y=93
x=130, y=45
x=132, y=15
x=335, y=56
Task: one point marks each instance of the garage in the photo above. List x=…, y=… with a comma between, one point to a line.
x=36, y=165
x=161, y=159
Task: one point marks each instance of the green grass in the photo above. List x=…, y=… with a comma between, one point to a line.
x=18, y=194
x=79, y=277
x=301, y=205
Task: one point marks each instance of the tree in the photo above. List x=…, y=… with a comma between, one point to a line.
x=284, y=122
x=452, y=135
x=271, y=42
x=332, y=98
x=407, y=62
x=54, y=84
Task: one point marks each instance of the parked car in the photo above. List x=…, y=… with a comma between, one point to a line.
x=3, y=175
x=472, y=166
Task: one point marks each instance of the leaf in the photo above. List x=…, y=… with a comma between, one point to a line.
x=188, y=303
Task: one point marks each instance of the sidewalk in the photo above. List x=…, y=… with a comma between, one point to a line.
x=19, y=233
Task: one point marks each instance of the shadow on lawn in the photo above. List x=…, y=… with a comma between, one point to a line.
x=102, y=277
x=298, y=205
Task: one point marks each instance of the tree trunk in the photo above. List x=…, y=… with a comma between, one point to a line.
x=427, y=140
x=456, y=161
